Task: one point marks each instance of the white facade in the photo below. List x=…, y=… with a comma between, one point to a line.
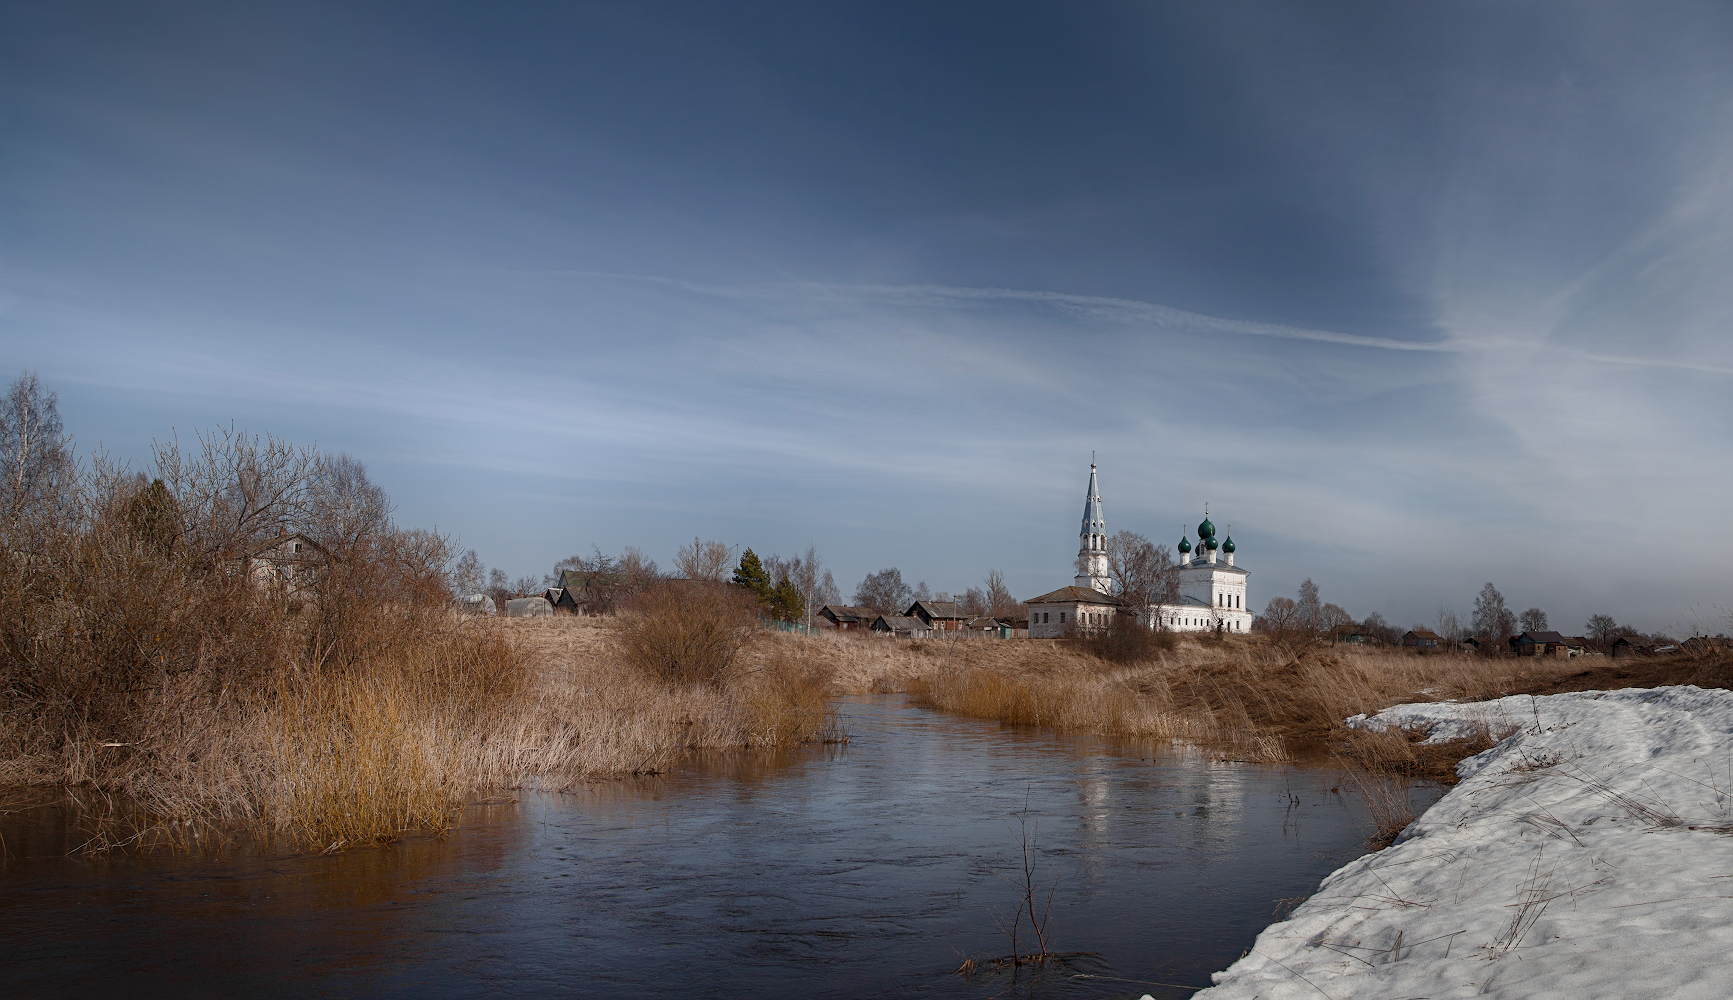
x=1212, y=589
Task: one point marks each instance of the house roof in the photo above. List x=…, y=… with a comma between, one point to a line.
x=1540, y=637
x=1422, y=633
x=838, y=612
x=982, y=622
x=935, y=609
x=900, y=623
x=265, y=551
x=1074, y=595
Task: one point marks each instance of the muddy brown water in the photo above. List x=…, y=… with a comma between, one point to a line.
x=870, y=870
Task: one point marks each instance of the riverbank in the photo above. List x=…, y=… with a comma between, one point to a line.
x=1588, y=854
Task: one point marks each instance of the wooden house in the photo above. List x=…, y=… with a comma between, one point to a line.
x=902, y=626
x=940, y=616
x=1422, y=638
x=847, y=619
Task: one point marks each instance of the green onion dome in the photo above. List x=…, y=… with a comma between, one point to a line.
x=1208, y=543
x=1228, y=546
x=1184, y=546
x=1206, y=530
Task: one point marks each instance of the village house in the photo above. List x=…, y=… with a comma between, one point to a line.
x=1546, y=644
x=901, y=626
x=288, y=561
x=940, y=616
x=1701, y=644
x=1421, y=638
x=847, y=619
x=564, y=602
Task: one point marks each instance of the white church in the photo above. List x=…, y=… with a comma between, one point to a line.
x=1212, y=590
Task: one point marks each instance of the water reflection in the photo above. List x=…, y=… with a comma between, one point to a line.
x=868, y=870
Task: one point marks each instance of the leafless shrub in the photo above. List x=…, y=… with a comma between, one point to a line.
x=687, y=633
x=1127, y=640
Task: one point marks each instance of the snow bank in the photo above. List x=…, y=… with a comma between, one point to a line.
x=1590, y=854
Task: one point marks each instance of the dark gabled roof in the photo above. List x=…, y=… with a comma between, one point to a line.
x=838, y=612
x=935, y=609
x=982, y=622
x=1542, y=637
x=1074, y=595
x=1422, y=633
x=899, y=623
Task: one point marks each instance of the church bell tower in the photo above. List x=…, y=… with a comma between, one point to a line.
x=1092, y=541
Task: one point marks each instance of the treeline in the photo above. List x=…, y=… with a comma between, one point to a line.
x=1490, y=625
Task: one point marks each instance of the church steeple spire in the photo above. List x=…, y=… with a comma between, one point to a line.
x=1092, y=540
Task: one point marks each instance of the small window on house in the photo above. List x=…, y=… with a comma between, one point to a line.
x=297, y=546
x=1061, y=617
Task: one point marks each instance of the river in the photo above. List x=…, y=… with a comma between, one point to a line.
x=866, y=870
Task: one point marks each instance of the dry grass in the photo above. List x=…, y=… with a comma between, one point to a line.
x=1245, y=698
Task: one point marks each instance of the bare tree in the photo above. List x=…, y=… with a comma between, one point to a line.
x=709, y=561
x=884, y=592
x=1336, y=621
x=1281, y=615
x=1142, y=572
x=238, y=490
x=1311, y=610
x=39, y=475
x=469, y=576
x=1000, y=603
x=1376, y=626
x=827, y=593
x=1533, y=620
x=1493, y=622
x=1449, y=627
x=973, y=602
x=1604, y=628
x=345, y=509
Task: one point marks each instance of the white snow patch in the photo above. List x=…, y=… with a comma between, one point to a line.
x=1590, y=854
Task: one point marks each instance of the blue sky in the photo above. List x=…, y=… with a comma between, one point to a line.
x=1416, y=296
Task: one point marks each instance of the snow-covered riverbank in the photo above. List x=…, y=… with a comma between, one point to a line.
x=1590, y=854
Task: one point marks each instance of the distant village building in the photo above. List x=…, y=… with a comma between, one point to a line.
x=939, y=616
x=1546, y=644
x=1701, y=644
x=1071, y=611
x=564, y=601
x=1212, y=589
x=901, y=626
x=847, y=619
x=289, y=561
x=1421, y=638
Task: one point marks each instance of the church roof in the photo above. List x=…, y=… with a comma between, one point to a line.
x=1205, y=564
x=1074, y=595
x=1188, y=601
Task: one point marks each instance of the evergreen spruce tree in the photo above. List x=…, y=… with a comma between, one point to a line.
x=786, y=602
x=750, y=574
